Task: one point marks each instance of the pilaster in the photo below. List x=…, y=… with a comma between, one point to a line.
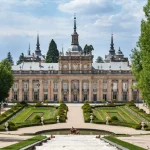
x=49, y=90
x=120, y=90
x=60, y=90
x=69, y=90
x=41, y=91
x=130, y=90
x=109, y=90
x=90, y=90
x=20, y=90
x=80, y=91
x=30, y=90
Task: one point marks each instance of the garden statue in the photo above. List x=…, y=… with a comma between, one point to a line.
x=91, y=117
x=107, y=120
x=42, y=120
x=6, y=126
x=142, y=124
x=74, y=131
x=58, y=119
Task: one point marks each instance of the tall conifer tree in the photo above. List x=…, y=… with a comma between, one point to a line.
x=141, y=57
x=21, y=59
x=10, y=59
x=53, y=53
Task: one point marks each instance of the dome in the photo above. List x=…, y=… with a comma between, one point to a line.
x=75, y=48
x=119, y=52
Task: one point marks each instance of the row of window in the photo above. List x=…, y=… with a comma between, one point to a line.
x=75, y=97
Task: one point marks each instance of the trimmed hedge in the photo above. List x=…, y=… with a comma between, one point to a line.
x=11, y=112
x=25, y=143
x=122, y=143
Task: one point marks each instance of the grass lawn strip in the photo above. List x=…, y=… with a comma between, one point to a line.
x=97, y=114
x=25, y=143
x=34, y=114
x=111, y=114
x=132, y=118
x=122, y=143
x=48, y=113
x=20, y=116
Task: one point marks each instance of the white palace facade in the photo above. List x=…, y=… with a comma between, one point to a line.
x=75, y=78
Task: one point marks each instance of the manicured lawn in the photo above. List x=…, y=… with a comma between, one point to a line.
x=30, y=112
x=120, y=112
x=124, y=144
x=25, y=143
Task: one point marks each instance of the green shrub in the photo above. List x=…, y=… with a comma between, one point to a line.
x=114, y=118
x=38, y=104
x=37, y=118
x=12, y=126
x=3, y=115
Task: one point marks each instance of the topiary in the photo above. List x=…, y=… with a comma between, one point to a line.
x=114, y=118
x=37, y=118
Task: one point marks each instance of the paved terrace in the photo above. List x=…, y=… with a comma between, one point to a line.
x=75, y=119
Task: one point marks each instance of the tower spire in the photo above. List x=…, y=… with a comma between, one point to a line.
x=38, y=43
x=29, y=53
x=112, y=50
x=75, y=26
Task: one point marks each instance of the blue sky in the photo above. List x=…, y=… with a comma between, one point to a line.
x=20, y=20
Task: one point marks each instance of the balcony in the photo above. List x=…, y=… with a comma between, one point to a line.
x=104, y=90
x=125, y=90
x=55, y=90
x=85, y=90
x=94, y=90
x=114, y=90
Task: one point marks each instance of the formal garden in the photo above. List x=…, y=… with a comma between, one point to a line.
x=25, y=115
x=117, y=114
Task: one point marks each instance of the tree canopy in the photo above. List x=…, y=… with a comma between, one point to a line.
x=10, y=59
x=53, y=53
x=6, y=79
x=88, y=49
x=99, y=59
x=140, y=57
x=21, y=59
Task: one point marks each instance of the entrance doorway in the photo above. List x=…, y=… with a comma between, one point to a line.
x=85, y=97
x=75, y=98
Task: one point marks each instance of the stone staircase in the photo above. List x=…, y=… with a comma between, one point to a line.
x=75, y=142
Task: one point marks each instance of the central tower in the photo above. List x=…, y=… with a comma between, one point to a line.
x=75, y=60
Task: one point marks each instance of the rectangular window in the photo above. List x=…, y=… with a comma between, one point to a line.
x=105, y=97
x=36, y=96
x=94, y=97
x=25, y=86
x=85, y=86
x=125, y=86
x=25, y=96
x=55, y=85
x=55, y=97
x=45, y=96
x=85, y=97
x=94, y=86
x=115, y=86
x=135, y=96
x=114, y=96
x=36, y=86
x=45, y=86
x=104, y=86
x=65, y=86
x=125, y=96
x=15, y=95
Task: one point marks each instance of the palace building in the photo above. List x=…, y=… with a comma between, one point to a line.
x=75, y=78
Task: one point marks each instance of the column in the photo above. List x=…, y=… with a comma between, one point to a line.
x=41, y=93
x=60, y=90
x=101, y=89
x=120, y=90
x=130, y=90
x=10, y=95
x=52, y=90
x=30, y=90
x=80, y=91
x=98, y=90
x=90, y=90
x=109, y=90
x=49, y=90
x=69, y=90
x=20, y=90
